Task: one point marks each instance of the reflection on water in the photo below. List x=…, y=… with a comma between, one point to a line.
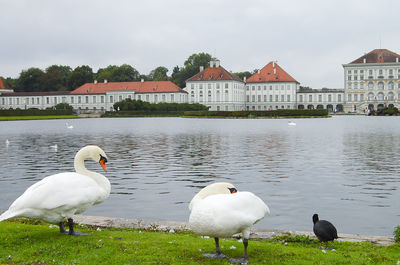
x=344, y=168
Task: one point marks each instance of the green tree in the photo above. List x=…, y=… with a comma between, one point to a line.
x=79, y=76
x=159, y=74
x=124, y=73
x=191, y=67
x=30, y=80
x=105, y=73
x=241, y=75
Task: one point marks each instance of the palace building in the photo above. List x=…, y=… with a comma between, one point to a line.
x=96, y=97
x=372, y=81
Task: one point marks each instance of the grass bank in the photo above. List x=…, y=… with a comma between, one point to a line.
x=47, y=117
x=24, y=242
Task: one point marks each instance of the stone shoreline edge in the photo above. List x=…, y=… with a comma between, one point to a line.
x=170, y=226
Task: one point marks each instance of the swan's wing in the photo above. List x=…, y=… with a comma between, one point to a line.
x=227, y=214
x=60, y=190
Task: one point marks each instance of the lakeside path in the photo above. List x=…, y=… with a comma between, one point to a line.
x=165, y=226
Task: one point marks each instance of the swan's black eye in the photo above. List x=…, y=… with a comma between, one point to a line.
x=232, y=190
x=103, y=158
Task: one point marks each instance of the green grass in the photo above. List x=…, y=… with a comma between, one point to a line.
x=24, y=242
x=16, y=118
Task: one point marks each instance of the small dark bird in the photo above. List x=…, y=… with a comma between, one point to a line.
x=324, y=230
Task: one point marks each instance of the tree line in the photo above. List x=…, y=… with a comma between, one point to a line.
x=64, y=78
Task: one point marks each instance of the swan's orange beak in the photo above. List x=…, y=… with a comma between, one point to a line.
x=103, y=164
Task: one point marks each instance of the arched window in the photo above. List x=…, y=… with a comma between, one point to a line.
x=370, y=85
x=391, y=85
x=380, y=85
x=380, y=96
x=370, y=96
x=390, y=96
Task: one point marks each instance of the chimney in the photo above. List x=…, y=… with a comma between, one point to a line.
x=258, y=71
x=95, y=81
x=201, y=68
x=244, y=79
x=397, y=59
x=105, y=81
x=142, y=80
x=273, y=64
x=216, y=63
x=365, y=60
x=274, y=71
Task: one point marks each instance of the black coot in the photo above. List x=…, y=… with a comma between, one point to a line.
x=324, y=230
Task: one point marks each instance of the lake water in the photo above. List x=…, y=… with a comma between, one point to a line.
x=344, y=168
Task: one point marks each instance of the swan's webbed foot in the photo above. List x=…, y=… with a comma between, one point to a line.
x=71, y=231
x=77, y=233
x=241, y=260
x=215, y=255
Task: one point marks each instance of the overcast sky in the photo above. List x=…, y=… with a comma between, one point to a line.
x=310, y=39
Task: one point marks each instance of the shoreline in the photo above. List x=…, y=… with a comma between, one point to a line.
x=256, y=233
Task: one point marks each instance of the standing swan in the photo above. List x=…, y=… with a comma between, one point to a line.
x=62, y=195
x=218, y=210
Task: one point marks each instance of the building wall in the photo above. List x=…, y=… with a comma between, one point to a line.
x=217, y=94
x=371, y=85
x=271, y=95
x=87, y=102
x=317, y=99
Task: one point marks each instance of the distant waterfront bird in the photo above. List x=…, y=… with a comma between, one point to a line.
x=60, y=196
x=218, y=210
x=291, y=123
x=324, y=230
x=69, y=126
x=54, y=147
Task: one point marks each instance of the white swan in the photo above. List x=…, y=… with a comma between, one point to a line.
x=69, y=126
x=62, y=195
x=218, y=210
x=291, y=123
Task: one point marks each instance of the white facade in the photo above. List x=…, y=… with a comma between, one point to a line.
x=84, y=102
x=331, y=99
x=372, y=83
x=271, y=96
x=226, y=95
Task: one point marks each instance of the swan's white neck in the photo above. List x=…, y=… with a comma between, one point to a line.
x=79, y=165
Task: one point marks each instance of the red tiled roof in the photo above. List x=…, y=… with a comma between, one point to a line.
x=267, y=74
x=2, y=85
x=213, y=74
x=138, y=87
x=378, y=56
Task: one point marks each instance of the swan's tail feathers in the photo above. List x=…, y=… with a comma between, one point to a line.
x=7, y=215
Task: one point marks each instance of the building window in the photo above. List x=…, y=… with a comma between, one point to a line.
x=147, y=98
x=270, y=98
x=259, y=98
x=355, y=97
x=361, y=97
x=310, y=98
x=102, y=99
x=349, y=97
x=192, y=86
x=111, y=99
x=163, y=97
x=282, y=98
x=226, y=85
x=259, y=87
x=253, y=88
x=265, y=98
x=248, y=98
x=391, y=85
x=301, y=98
x=276, y=98
x=380, y=85
x=319, y=98
x=390, y=96
x=371, y=96
x=329, y=98
x=72, y=100
x=288, y=98
x=370, y=85
x=253, y=98
x=86, y=99
x=270, y=87
x=55, y=100
x=209, y=86
x=94, y=99
x=172, y=98
x=217, y=85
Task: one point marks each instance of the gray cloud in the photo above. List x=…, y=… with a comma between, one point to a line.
x=310, y=39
